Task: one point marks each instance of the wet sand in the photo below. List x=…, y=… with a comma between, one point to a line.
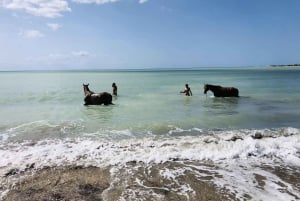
x=134, y=181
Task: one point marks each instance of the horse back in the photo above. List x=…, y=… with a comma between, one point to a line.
x=232, y=91
x=226, y=92
x=99, y=98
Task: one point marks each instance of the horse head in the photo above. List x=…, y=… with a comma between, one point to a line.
x=206, y=88
x=86, y=89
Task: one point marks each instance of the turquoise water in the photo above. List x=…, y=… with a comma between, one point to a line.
x=43, y=123
x=50, y=104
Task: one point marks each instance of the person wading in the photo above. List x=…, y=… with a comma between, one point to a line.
x=187, y=90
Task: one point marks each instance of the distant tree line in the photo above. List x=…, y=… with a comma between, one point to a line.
x=285, y=65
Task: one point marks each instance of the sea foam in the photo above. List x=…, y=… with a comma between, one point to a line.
x=237, y=157
x=280, y=145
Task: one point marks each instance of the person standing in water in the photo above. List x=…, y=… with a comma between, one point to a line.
x=187, y=91
x=115, y=89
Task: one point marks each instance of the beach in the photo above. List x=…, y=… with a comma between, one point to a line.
x=154, y=143
x=92, y=183
x=247, y=166
x=143, y=183
x=146, y=100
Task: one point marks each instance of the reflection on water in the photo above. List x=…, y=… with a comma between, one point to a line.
x=187, y=100
x=225, y=106
x=99, y=113
x=44, y=130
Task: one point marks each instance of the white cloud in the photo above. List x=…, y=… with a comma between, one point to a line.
x=31, y=34
x=49, y=8
x=54, y=26
x=43, y=8
x=103, y=1
x=81, y=53
x=95, y=1
x=72, y=59
x=69, y=55
x=143, y=1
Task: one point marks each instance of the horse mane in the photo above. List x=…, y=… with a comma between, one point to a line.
x=214, y=86
x=210, y=85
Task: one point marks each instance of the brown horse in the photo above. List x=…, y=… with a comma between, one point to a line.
x=220, y=91
x=92, y=98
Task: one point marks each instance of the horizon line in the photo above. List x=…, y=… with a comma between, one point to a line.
x=137, y=69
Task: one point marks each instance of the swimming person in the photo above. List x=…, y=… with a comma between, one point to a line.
x=187, y=90
x=115, y=89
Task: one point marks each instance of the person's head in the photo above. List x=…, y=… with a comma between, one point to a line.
x=113, y=84
x=186, y=85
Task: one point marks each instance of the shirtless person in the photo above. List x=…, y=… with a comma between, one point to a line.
x=115, y=89
x=187, y=90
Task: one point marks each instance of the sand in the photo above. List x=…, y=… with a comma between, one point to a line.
x=133, y=181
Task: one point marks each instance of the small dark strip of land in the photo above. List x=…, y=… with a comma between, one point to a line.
x=285, y=65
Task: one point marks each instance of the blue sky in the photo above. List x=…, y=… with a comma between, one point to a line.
x=110, y=34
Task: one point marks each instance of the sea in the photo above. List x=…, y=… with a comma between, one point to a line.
x=44, y=123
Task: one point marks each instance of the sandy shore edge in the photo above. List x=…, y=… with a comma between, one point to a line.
x=131, y=182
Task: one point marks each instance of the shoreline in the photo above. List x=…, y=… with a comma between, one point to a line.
x=94, y=183
x=285, y=65
x=248, y=165
x=172, y=180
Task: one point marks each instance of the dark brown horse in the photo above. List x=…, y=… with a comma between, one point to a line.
x=92, y=98
x=220, y=91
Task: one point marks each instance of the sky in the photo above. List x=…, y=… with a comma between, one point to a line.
x=129, y=34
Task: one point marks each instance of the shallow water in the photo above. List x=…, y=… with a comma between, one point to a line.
x=148, y=102
x=43, y=121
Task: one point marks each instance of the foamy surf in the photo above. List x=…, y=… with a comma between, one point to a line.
x=237, y=161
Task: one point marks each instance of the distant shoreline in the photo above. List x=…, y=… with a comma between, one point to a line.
x=144, y=69
x=285, y=65
x=131, y=69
